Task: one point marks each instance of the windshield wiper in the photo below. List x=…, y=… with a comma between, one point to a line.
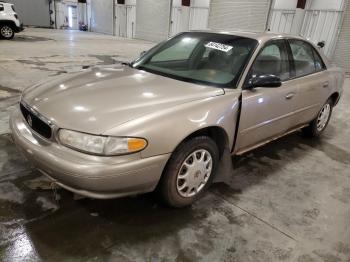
x=130, y=64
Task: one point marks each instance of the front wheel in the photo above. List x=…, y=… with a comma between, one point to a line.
x=189, y=172
x=6, y=32
x=319, y=124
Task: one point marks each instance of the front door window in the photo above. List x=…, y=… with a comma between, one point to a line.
x=273, y=59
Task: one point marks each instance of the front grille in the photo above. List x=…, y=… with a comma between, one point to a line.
x=37, y=124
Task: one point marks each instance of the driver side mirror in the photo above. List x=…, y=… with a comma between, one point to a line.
x=269, y=81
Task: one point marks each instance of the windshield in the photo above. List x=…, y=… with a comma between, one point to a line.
x=215, y=59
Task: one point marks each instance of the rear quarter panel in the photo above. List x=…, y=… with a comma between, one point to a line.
x=336, y=77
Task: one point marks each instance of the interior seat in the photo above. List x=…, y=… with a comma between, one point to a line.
x=267, y=64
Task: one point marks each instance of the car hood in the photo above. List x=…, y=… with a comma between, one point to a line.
x=99, y=99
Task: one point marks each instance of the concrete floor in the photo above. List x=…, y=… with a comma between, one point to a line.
x=287, y=201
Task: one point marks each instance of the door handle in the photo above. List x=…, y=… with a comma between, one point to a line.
x=325, y=84
x=290, y=95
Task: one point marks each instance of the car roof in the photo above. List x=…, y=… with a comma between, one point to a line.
x=264, y=36
x=258, y=35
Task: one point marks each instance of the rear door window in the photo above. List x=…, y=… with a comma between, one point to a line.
x=305, y=60
x=1, y=7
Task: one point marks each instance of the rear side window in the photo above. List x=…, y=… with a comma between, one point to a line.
x=306, y=60
x=1, y=7
x=319, y=64
x=13, y=8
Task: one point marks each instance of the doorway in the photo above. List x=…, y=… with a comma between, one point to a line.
x=175, y=23
x=199, y=16
x=125, y=20
x=72, y=17
x=188, y=15
x=130, y=21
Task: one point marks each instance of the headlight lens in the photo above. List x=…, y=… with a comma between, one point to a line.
x=101, y=145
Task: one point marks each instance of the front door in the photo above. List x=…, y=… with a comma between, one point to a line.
x=267, y=112
x=175, y=27
x=120, y=20
x=130, y=21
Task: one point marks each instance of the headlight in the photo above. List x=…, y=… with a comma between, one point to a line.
x=101, y=145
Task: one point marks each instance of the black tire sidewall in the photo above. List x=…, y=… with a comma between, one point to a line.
x=169, y=179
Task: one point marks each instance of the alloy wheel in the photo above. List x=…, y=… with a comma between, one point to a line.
x=6, y=31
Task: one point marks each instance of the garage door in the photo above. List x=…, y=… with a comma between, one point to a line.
x=152, y=19
x=342, y=51
x=238, y=14
x=102, y=16
x=34, y=12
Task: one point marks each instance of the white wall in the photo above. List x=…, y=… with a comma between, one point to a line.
x=238, y=14
x=185, y=18
x=325, y=4
x=176, y=3
x=88, y=11
x=342, y=50
x=200, y=3
x=199, y=14
x=194, y=3
x=33, y=12
x=285, y=4
x=130, y=2
x=102, y=16
x=310, y=4
x=152, y=19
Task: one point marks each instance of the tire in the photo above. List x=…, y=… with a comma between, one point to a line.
x=318, y=125
x=7, y=32
x=180, y=171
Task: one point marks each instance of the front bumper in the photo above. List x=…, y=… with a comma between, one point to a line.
x=87, y=175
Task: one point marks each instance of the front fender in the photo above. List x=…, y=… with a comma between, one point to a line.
x=166, y=129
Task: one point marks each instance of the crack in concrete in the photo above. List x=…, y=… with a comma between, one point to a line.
x=253, y=215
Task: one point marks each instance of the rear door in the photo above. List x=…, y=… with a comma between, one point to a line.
x=312, y=80
x=267, y=112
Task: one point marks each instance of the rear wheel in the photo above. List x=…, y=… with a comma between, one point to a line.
x=6, y=32
x=319, y=124
x=189, y=171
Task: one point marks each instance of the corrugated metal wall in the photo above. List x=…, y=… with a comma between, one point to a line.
x=102, y=16
x=33, y=12
x=152, y=19
x=238, y=14
x=342, y=50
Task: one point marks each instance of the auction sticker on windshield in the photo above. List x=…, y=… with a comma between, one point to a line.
x=218, y=46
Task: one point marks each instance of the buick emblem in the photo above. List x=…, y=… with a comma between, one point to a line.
x=30, y=121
